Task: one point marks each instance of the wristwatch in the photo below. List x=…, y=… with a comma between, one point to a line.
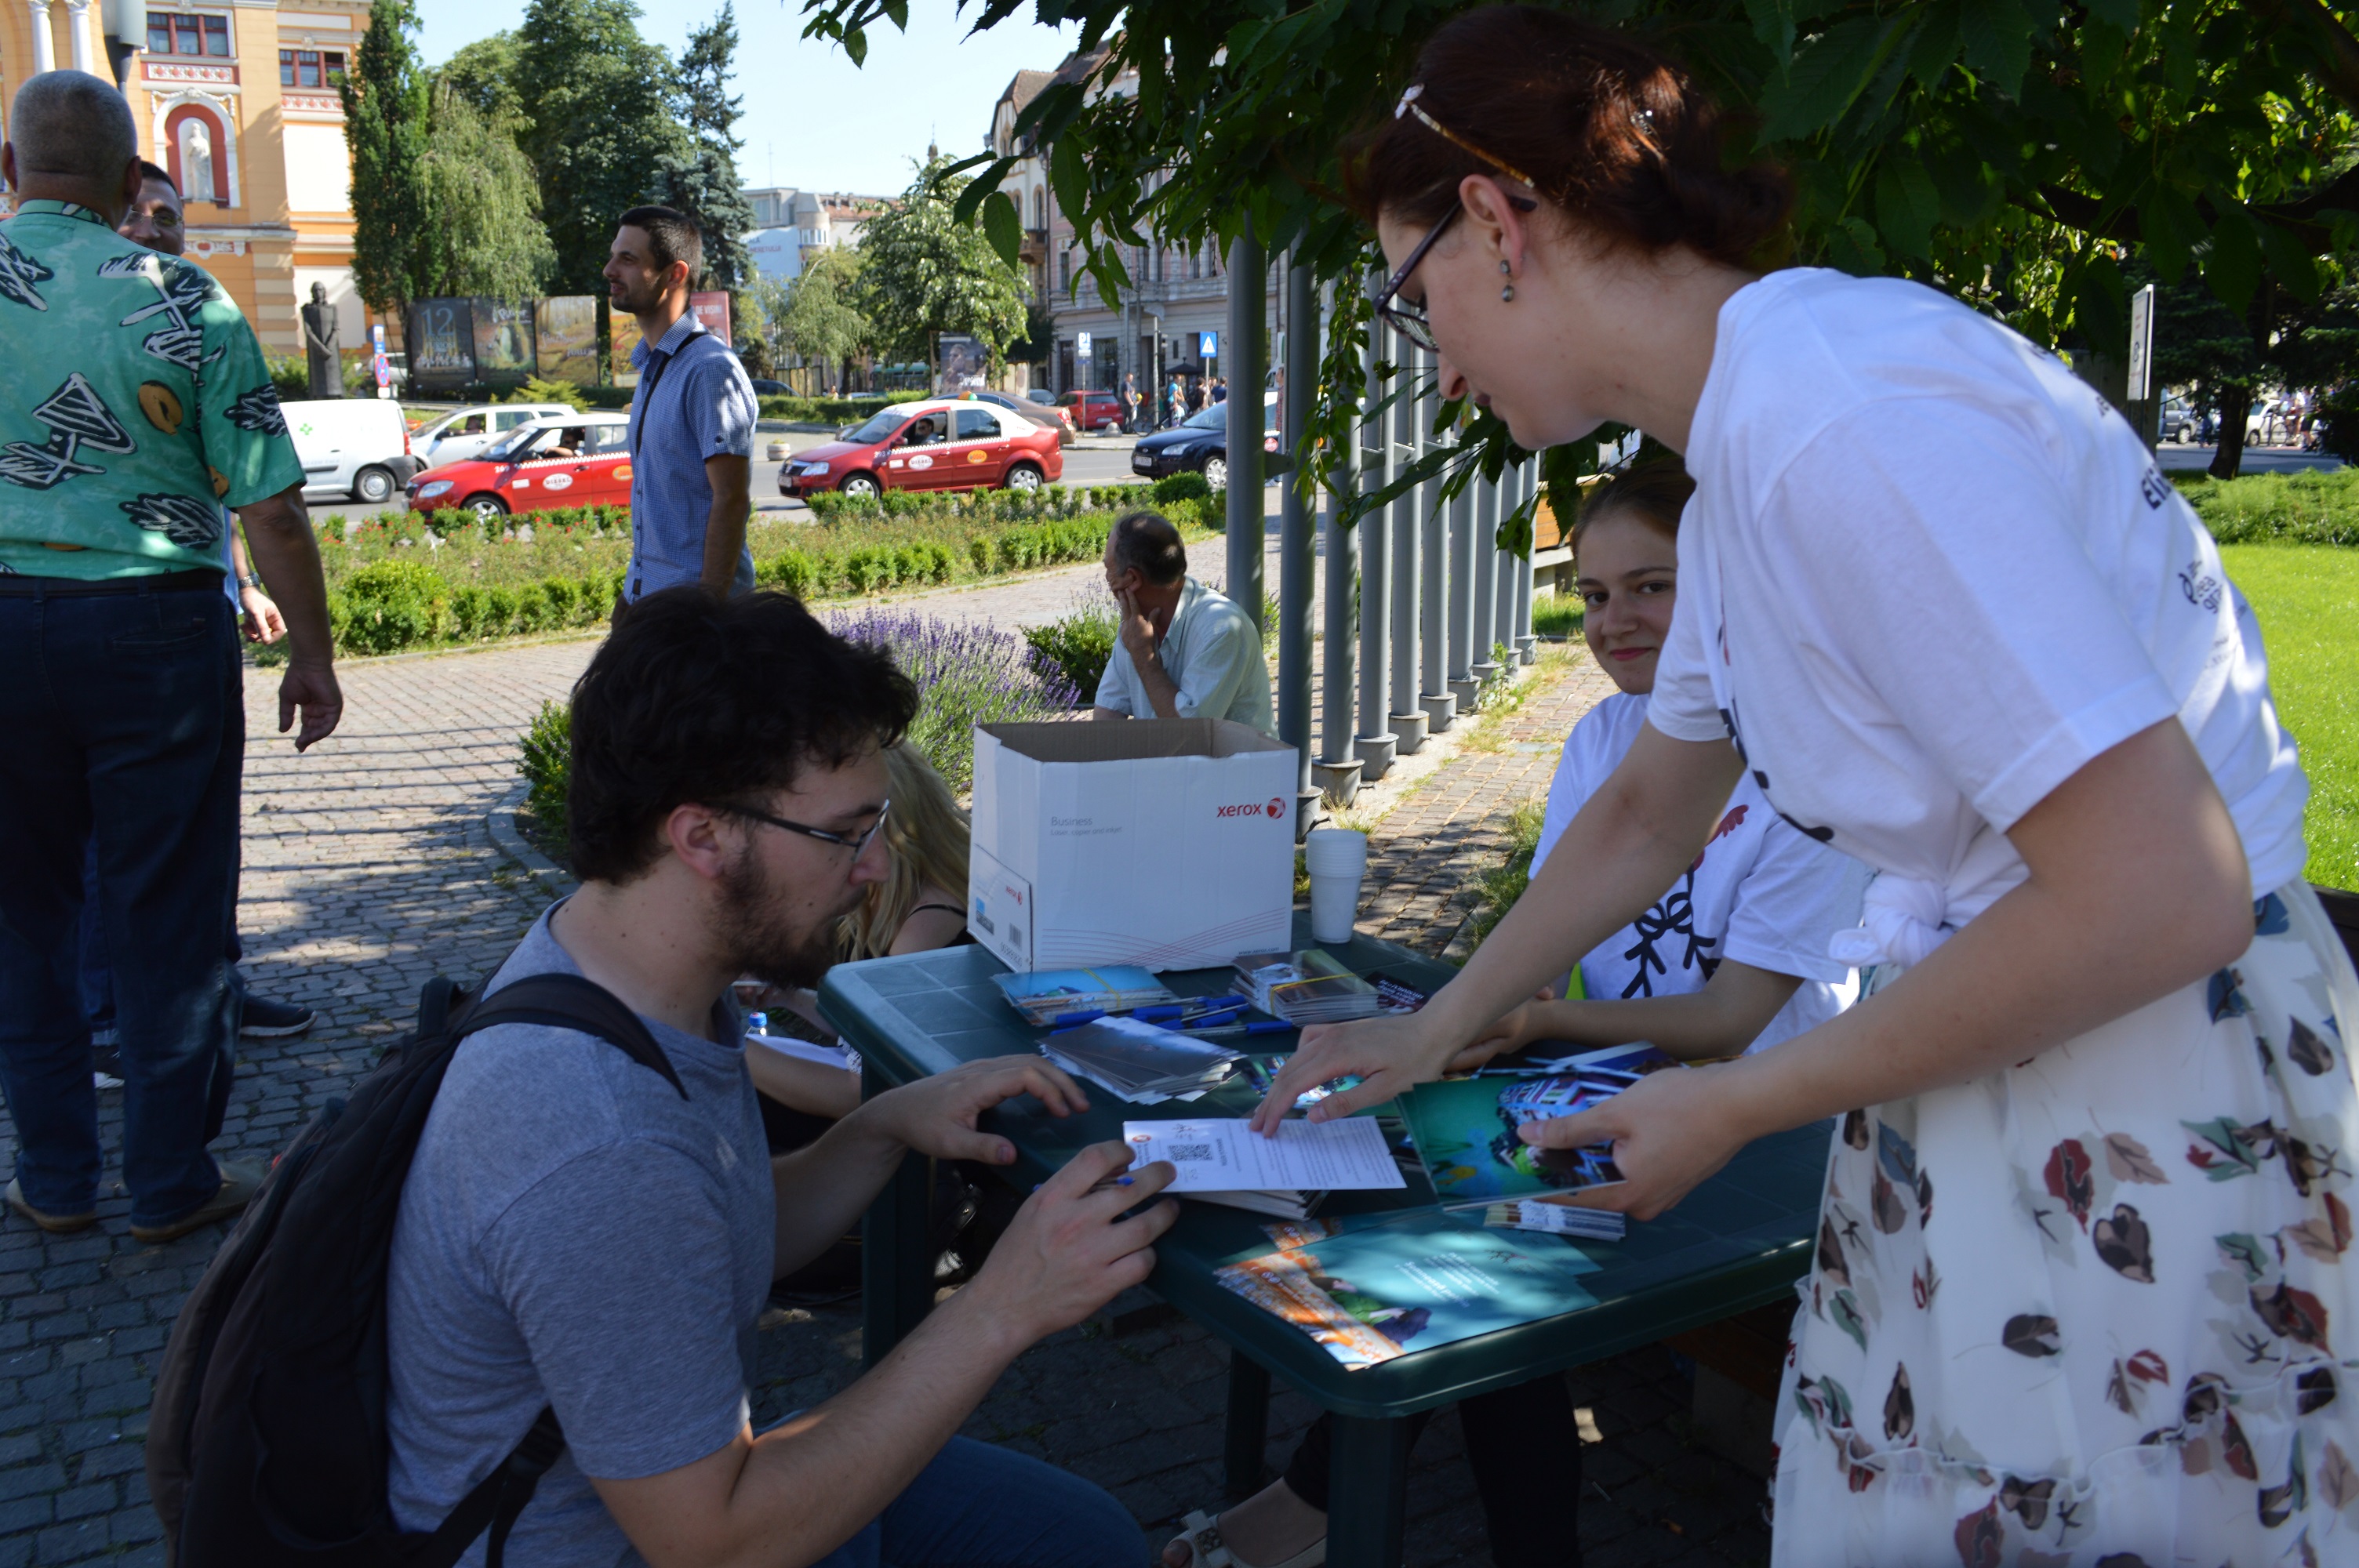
x=252, y=580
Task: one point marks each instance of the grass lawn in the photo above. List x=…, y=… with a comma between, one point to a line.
x=2307, y=597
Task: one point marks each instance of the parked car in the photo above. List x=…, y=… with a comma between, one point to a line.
x=572, y=459
x=942, y=443
x=1038, y=413
x=356, y=447
x=1099, y=411
x=471, y=432
x=1200, y=443
x=2178, y=421
x=771, y=388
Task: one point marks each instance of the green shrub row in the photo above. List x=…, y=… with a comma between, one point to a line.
x=817, y=574
x=387, y=606
x=1081, y=644
x=2305, y=508
x=1047, y=544
x=994, y=505
x=797, y=410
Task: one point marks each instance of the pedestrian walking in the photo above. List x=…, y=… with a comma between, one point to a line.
x=1130, y=401
x=692, y=418
x=1220, y=393
x=1175, y=402
x=133, y=403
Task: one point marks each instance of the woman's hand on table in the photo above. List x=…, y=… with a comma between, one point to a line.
x=937, y=1116
x=1669, y=1131
x=1066, y=1253
x=1387, y=1054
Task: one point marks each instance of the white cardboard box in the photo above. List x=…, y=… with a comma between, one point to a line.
x=1165, y=842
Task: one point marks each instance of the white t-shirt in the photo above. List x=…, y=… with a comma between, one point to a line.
x=1212, y=654
x=1760, y=893
x=1927, y=574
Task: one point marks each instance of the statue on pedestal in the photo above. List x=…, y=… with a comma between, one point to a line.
x=320, y=344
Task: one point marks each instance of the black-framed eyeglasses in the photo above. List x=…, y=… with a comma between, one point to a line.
x=1407, y=317
x=858, y=847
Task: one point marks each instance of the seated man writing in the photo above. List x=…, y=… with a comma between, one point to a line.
x=1185, y=652
x=574, y=1232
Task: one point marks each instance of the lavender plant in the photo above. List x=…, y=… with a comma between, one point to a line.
x=967, y=673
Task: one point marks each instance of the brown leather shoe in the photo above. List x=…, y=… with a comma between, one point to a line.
x=239, y=1180
x=55, y=1224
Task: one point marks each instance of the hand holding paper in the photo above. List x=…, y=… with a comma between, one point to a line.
x=1392, y=1055
x=1669, y=1132
x=1222, y=1154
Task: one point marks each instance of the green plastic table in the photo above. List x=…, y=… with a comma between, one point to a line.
x=1739, y=1241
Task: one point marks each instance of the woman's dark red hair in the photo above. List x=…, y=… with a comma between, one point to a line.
x=1607, y=128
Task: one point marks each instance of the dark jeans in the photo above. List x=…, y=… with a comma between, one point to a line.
x=125, y=725
x=974, y=1505
x=98, y=974
x=1526, y=1454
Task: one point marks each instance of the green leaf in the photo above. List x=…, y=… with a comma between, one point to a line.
x=2234, y=266
x=2122, y=14
x=1826, y=78
x=1907, y=206
x=980, y=185
x=1003, y=227
x=2290, y=261
x=1851, y=246
x=856, y=44
x=898, y=10
x=1069, y=178
x=2170, y=227
x=1998, y=42
x=1772, y=23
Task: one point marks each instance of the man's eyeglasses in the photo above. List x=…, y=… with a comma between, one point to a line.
x=858, y=847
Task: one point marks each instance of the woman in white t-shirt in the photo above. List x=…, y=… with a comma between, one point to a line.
x=2083, y=1287
x=1733, y=957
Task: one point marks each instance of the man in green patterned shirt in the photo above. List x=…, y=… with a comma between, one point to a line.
x=134, y=405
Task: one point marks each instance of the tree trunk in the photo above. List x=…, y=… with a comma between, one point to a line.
x=2230, y=455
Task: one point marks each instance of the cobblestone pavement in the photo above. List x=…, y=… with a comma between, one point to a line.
x=367, y=868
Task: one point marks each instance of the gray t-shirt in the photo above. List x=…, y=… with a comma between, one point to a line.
x=574, y=1234
x=1212, y=654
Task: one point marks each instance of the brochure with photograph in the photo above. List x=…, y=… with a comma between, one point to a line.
x=1044, y=995
x=1309, y=987
x=1464, y=1129
x=1370, y=1293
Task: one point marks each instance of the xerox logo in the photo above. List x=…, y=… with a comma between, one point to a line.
x=1277, y=808
x=1273, y=810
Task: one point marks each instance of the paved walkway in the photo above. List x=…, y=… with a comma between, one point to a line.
x=367, y=868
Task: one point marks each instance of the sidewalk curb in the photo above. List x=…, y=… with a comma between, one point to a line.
x=553, y=879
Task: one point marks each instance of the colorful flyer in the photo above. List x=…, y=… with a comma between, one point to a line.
x=1465, y=1128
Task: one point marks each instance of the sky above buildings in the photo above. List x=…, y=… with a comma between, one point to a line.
x=813, y=119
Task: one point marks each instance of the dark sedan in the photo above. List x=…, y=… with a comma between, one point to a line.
x=1198, y=444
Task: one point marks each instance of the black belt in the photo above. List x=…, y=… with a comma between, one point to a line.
x=21, y=585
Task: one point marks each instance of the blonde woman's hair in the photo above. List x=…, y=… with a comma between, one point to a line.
x=926, y=841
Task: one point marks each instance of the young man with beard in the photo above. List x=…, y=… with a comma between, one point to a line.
x=691, y=417
x=575, y=1233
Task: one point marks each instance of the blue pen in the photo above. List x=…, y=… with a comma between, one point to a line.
x=1064, y=1020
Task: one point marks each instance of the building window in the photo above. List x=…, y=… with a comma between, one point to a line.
x=1065, y=272
x=180, y=33
x=311, y=67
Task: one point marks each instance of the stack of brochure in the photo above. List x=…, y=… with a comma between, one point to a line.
x=1309, y=987
x=1466, y=1131
x=1139, y=1062
x=1221, y=1161
x=1045, y=995
x=1557, y=1219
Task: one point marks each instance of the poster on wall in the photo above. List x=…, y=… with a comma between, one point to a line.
x=565, y=339
x=441, y=344
x=623, y=332
x=961, y=363
x=712, y=310
x=503, y=341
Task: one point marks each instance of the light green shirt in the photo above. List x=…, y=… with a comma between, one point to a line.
x=1211, y=652
x=133, y=403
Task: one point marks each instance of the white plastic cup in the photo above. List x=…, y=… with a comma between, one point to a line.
x=1337, y=859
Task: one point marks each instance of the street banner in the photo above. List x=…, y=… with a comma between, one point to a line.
x=623, y=332
x=503, y=341
x=712, y=309
x=565, y=339
x=962, y=362
x=440, y=335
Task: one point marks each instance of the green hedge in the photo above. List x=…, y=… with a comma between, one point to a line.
x=387, y=606
x=820, y=574
x=2307, y=508
x=1082, y=644
x=797, y=410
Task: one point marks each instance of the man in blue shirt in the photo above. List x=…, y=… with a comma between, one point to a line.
x=691, y=418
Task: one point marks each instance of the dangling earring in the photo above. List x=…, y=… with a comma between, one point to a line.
x=1507, y=293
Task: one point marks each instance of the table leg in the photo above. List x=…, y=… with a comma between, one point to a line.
x=897, y=1261
x=1368, y=1492
x=1248, y=1428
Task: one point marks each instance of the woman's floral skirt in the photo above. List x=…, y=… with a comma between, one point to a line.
x=2101, y=1308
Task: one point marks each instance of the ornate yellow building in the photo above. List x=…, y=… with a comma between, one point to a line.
x=238, y=100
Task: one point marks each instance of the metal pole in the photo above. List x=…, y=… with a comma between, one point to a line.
x=1503, y=609
x=1484, y=616
x=1298, y=564
x=1407, y=718
x=1374, y=745
x=1248, y=358
x=1433, y=620
x=1526, y=646
x=1461, y=597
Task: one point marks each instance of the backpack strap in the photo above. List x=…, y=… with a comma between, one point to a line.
x=572, y=1001
x=497, y=1500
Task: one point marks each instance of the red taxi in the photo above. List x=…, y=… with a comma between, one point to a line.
x=936, y=444
x=569, y=460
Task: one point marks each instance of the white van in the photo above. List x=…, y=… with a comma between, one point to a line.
x=357, y=446
x=469, y=432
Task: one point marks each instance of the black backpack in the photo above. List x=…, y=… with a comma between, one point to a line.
x=266, y=1443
